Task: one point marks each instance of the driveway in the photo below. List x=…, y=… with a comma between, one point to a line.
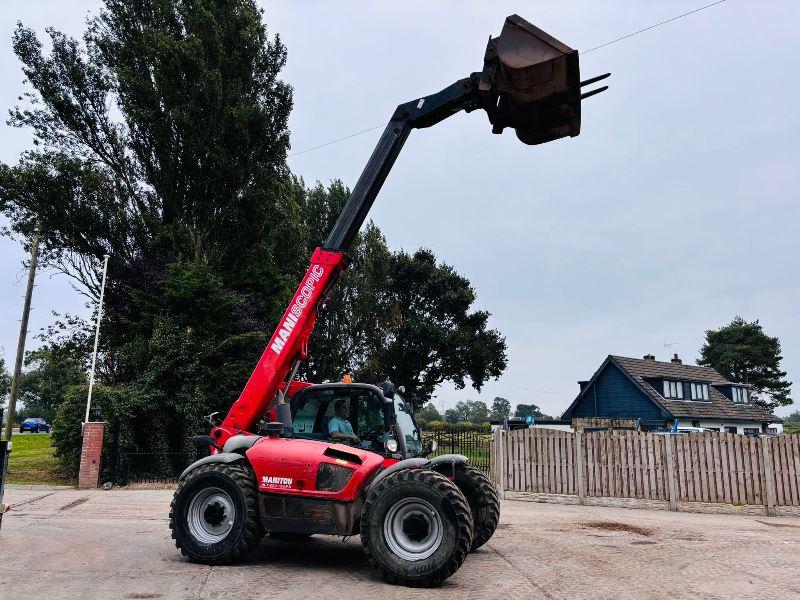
x=116, y=544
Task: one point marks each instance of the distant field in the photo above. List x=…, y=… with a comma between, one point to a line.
x=32, y=460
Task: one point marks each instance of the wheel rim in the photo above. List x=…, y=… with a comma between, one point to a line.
x=211, y=515
x=413, y=529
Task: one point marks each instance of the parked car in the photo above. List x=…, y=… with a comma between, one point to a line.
x=34, y=425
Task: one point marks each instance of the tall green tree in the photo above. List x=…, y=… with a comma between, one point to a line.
x=743, y=353
x=433, y=334
x=53, y=368
x=525, y=410
x=160, y=138
x=398, y=315
x=352, y=325
x=428, y=414
x=501, y=408
x=452, y=416
x=473, y=411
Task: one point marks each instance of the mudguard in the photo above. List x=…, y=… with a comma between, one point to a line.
x=238, y=443
x=446, y=463
x=449, y=459
x=223, y=457
x=409, y=463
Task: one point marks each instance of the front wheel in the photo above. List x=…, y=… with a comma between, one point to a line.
x=214, y=514
x=416, y=527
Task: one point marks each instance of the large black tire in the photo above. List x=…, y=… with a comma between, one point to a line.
x=483, y=503
x=416, y=528
x=201, y=511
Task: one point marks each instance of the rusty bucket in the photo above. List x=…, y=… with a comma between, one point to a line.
x=531, y=83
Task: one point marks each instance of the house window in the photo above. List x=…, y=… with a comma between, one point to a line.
x=699, y=391
x=673, y=389
x=695, y=423
x=731, y=430
x=740, y=395
x=773, y=430
x=751, y=431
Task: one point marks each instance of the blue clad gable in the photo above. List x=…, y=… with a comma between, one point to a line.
x=613, y=395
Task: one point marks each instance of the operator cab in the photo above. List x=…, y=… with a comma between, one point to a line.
x=383, y=425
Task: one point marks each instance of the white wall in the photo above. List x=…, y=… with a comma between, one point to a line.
x=721, y=425
x=558, y=427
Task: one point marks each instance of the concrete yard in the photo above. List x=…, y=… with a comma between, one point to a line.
x=64, y=543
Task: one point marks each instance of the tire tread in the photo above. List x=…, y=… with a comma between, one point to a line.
x=253, y=532
x=450, y=491
x=482, y=487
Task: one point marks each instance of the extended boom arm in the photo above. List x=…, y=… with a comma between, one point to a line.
x=289, y=344
x=529, y=82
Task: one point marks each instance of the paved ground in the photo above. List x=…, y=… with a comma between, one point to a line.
x=76, y=544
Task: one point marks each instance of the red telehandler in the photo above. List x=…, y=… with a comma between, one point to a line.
x=277, y=467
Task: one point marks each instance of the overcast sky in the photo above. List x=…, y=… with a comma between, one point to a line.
x=675, y=210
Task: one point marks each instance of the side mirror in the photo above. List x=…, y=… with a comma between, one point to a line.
x=387, y=387
x=430, y=446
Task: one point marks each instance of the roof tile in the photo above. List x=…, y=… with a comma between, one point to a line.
x=718, y=407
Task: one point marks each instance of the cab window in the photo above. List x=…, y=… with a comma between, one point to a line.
x=368, y=411
x=312, y=410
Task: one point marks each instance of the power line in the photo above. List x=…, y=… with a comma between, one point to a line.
x=614, y=41
x=624, y=37
x=341, y=139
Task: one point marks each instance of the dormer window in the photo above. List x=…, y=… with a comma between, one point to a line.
x=740, y=395
x=699, y=391
x=673, y=389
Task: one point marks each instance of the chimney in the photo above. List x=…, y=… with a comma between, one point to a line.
x=675, y=360
x=583, y=384
x=649, y=357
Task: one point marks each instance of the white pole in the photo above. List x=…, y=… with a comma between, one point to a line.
x=96, y=337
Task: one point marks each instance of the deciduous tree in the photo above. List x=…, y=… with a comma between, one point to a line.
x=501, y=408
x=160, y=138
x=428, y=413
x=434, y=335
x=524, y=410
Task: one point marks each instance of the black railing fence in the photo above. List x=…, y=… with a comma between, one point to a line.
x=474, y=444
x=152, y=467
x=123, y=468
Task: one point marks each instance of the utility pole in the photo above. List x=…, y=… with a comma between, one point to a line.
x=23, y=334
x=5, y=444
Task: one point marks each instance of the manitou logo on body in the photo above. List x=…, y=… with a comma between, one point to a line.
x=281, y=482
x=296, y=310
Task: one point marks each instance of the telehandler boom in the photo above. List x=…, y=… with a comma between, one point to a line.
x=418, y=518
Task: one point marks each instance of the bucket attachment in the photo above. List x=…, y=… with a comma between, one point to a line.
x=531, y=83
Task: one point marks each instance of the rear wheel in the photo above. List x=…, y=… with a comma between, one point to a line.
x=483, y=503
x=416, y=527
x=214, y=514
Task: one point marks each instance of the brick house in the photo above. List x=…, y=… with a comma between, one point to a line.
x=658, y=393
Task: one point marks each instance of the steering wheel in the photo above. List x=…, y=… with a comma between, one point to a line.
x=372, y=433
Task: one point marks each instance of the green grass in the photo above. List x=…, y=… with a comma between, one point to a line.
x=32, y=460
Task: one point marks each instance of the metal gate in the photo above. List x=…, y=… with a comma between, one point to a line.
x=475, y=445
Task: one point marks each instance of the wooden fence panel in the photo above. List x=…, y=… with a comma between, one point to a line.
x=793, y=445
x=712, y=467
